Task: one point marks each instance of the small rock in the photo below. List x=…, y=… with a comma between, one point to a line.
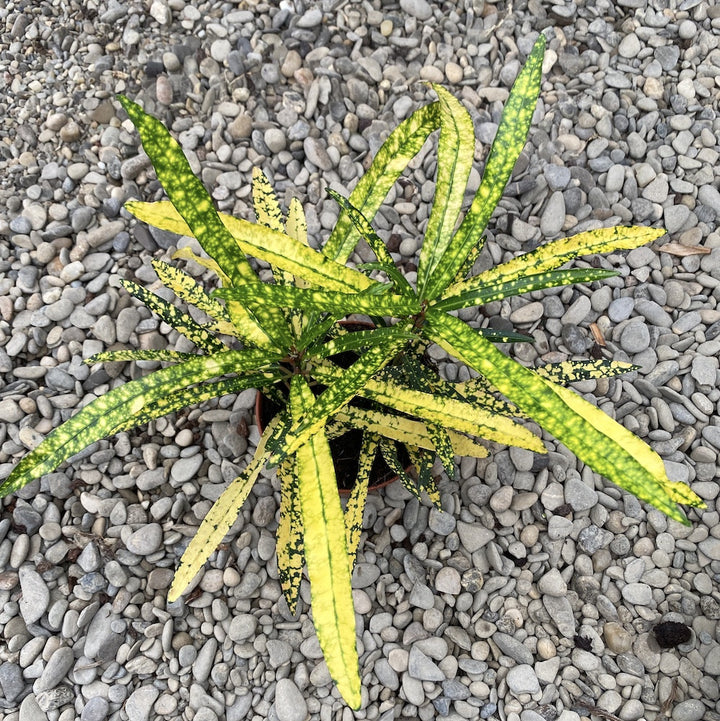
x=289, y=702
x=522, y=679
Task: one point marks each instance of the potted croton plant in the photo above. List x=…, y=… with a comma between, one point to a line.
x=281, y=336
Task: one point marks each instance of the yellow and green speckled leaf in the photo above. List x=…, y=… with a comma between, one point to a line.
x=197, y=394
x=221, y=516
x=355, y=508
x=572, y=371
x=185, y=253
x=278, y=249
x=606, y=446
x=557, y=252
x=185, y=287
x=163, y=356
x=265, y=203
x=296, y=225
x=443, y=447
x=390, y=456
x=176, y=318
x=478, y=291
x=103, y=416
x=290, y=547
x=401, y=146
x=193, y=203
x=451, y=413
x=405, y=430
x=339, y=304
x=455, y=155
x=506, y=148
x=423, y=461
x=326, y=551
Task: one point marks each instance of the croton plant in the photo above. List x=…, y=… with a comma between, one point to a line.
x=282, y=336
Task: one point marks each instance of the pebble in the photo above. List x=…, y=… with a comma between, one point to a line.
x=146, y=540
x=290, y=704
x=522, y=679
x=35, y=595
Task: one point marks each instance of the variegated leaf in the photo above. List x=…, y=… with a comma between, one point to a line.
x=401, y=146
x=606, y=446
x=193, y=203
x=326, y=555
x=279, y=250
x=355, y=509
x=186, y=288
x=552, y=255
x=405, y=430
x=290, y=546
x=103, y=416
x=581, y=370
x=176, y=318
x=456, y=152
x=390, y=456
x=477, y=291
x=221, y=516
x=506, y=148
x=339, y=304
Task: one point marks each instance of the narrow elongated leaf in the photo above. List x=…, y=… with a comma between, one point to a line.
x=280, y=250
x=103, y=416
x=581, y=370
x=390, y=456
x=192, y=396
x=506, y=148
x=552, y=255
x=185, y=287
x=357, y=340
x=456, y=152
x=221, y=516
x=423, y=461
x=385, y=261
x=175, y=318
x=339, y=304
x=355, y=509
x=454, y=414
x=265, y=203
x=162, y=356
x=401, y=146
x=477, y=292
x=405, y=430
x=194, y=204
x=290, y=545
x=326, y=555
x=606, y=446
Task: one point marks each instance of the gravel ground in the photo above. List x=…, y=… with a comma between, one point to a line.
x=537, y=594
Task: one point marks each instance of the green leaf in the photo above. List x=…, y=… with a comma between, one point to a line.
x=105, y=415
x=176, y=318
x=185, y=287
x=478, y=291
x=402, y=145
x=390, y=456
x=506, y=148
x=194, y=204
x=456, y=152
x=338, y=304
x=290, y=545
x=161, y=356
x=552, y=255
x=327, y=555
x=604, y=445
x=385, y=262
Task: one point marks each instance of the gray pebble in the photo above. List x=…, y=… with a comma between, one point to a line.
x=145, y=540
x=35, y=595
x=423, y=668
x=553, y=216
x=513, y=648
x=522, y=679
x=139, y=705
x=290, y=704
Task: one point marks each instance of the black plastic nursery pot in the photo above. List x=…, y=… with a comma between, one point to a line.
x=345, y=449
